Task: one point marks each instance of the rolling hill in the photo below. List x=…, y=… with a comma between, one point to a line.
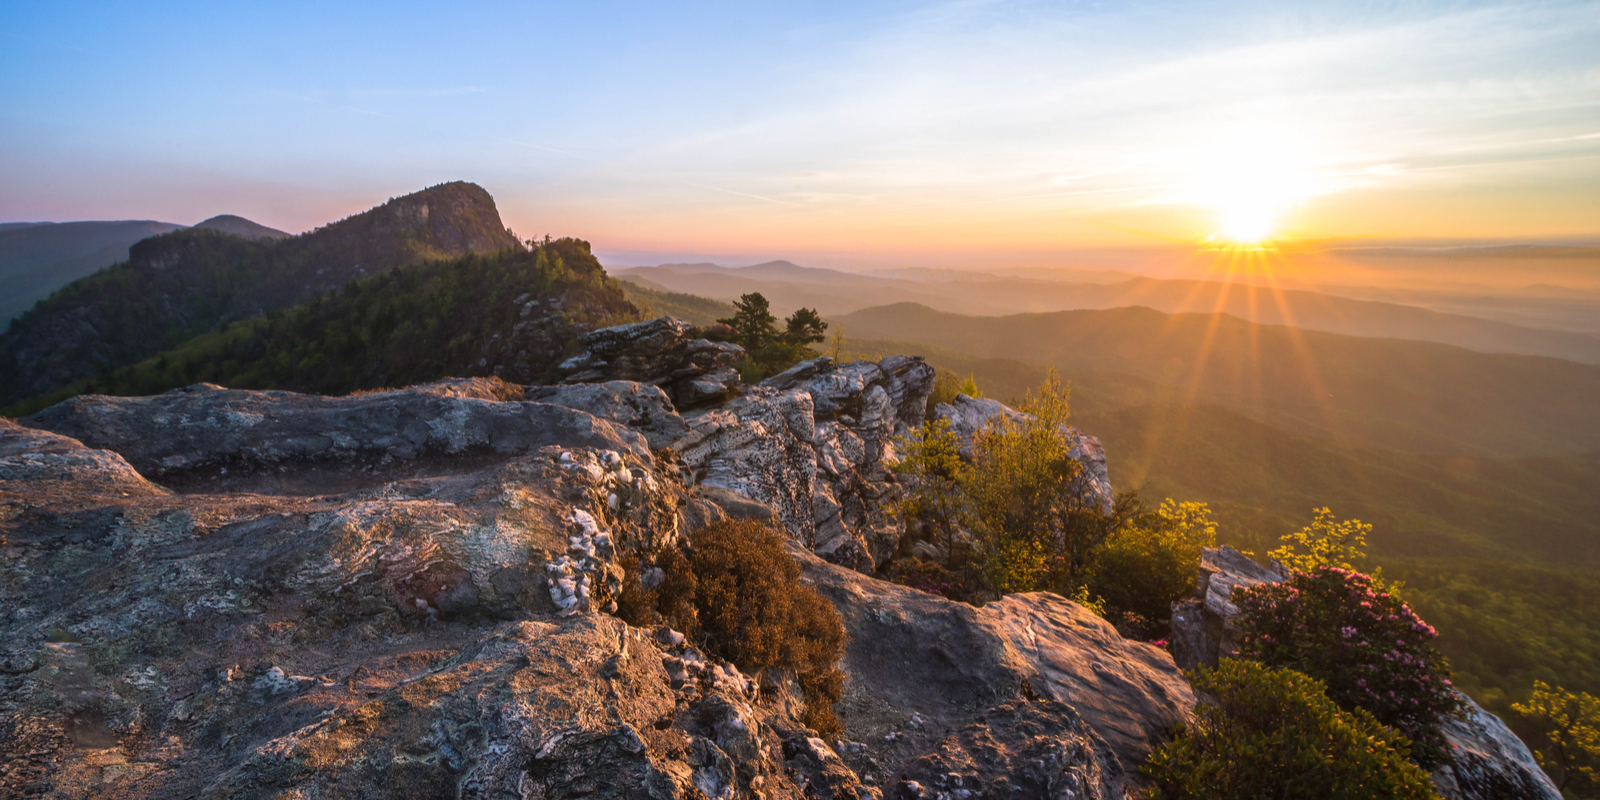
x=789, y=286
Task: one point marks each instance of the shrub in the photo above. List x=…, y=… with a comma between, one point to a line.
x=1273, y=733
x=930, y=463
x=1327, y=542
x=1368, y=647
x=1026, y=495
x=1570, y=726
x=1147, y=564
x=737, y=593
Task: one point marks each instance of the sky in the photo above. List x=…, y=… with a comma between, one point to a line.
x=901, y=132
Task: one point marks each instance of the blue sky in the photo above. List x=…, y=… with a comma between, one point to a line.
x=885, y=130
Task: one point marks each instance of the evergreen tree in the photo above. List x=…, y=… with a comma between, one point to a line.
x=753, y=323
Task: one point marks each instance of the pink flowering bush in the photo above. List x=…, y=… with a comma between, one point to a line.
x=1372, y=652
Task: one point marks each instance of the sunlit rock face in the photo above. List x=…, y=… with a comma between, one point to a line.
x=1490, y=761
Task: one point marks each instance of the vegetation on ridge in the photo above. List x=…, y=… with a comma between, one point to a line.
x=1274, y=733
x=183, y=284
x=514, y=313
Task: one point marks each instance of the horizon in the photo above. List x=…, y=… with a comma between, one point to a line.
x=952, y=135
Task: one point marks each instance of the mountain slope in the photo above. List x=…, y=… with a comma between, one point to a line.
x=511, y=313
x=1391, y=393
x=789, y=286
x=179, y=285
x=38, y=258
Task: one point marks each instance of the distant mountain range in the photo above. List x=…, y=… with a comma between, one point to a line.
x=184, y=283
x=1392, y=393
x=37, y=258
x=790, y=286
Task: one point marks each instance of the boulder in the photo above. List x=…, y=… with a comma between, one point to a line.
x=1031, y=694
x=968, y=415
x=1490, y=762
x=665, y=352
x=815, y=443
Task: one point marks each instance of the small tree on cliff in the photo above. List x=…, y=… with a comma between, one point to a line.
x=752, y=322
x=768, y=351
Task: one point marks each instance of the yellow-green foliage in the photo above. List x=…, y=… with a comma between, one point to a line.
x=930, y=459
x=1025, y=495
x=1326, y=542
x=1570, y=725
x=1273, y=733
x=969, y=387
x=1146, y=565
x=737, y=593
x=946, y=385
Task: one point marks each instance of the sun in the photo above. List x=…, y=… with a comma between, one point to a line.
x=1246, y=222
x=1247, y=180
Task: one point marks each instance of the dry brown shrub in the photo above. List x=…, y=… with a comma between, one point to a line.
x=737, y=593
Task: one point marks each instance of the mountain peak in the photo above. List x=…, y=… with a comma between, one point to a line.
x=442, y=221
x=239, y=226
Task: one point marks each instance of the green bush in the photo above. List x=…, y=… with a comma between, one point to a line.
x=1147, y=564
x=1344, y=629
x=737, y=593
x=1266, y=733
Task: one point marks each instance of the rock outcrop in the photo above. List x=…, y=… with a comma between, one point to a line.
x=664, y=352
x=1202, y=625
x=424, y=616
x=1490, y=762
x=968, y=415
x=1031, y=694
x=816, y=442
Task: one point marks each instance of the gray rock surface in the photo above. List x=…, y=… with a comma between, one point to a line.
x=211, y=429
x=423, y=637
x=640, y=406
x=1202, y=625
x=954, y=696
x=1491, y=763
x=434, y=631
x=968, y=415
x=815, y=443
x=664, y=352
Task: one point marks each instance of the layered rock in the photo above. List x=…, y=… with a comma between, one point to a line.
x=815, y=442
x=663, y=352
x=408, y=638
x=1490, y=762
x=968, y=415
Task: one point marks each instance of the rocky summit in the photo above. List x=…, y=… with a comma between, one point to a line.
x=410, y=593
